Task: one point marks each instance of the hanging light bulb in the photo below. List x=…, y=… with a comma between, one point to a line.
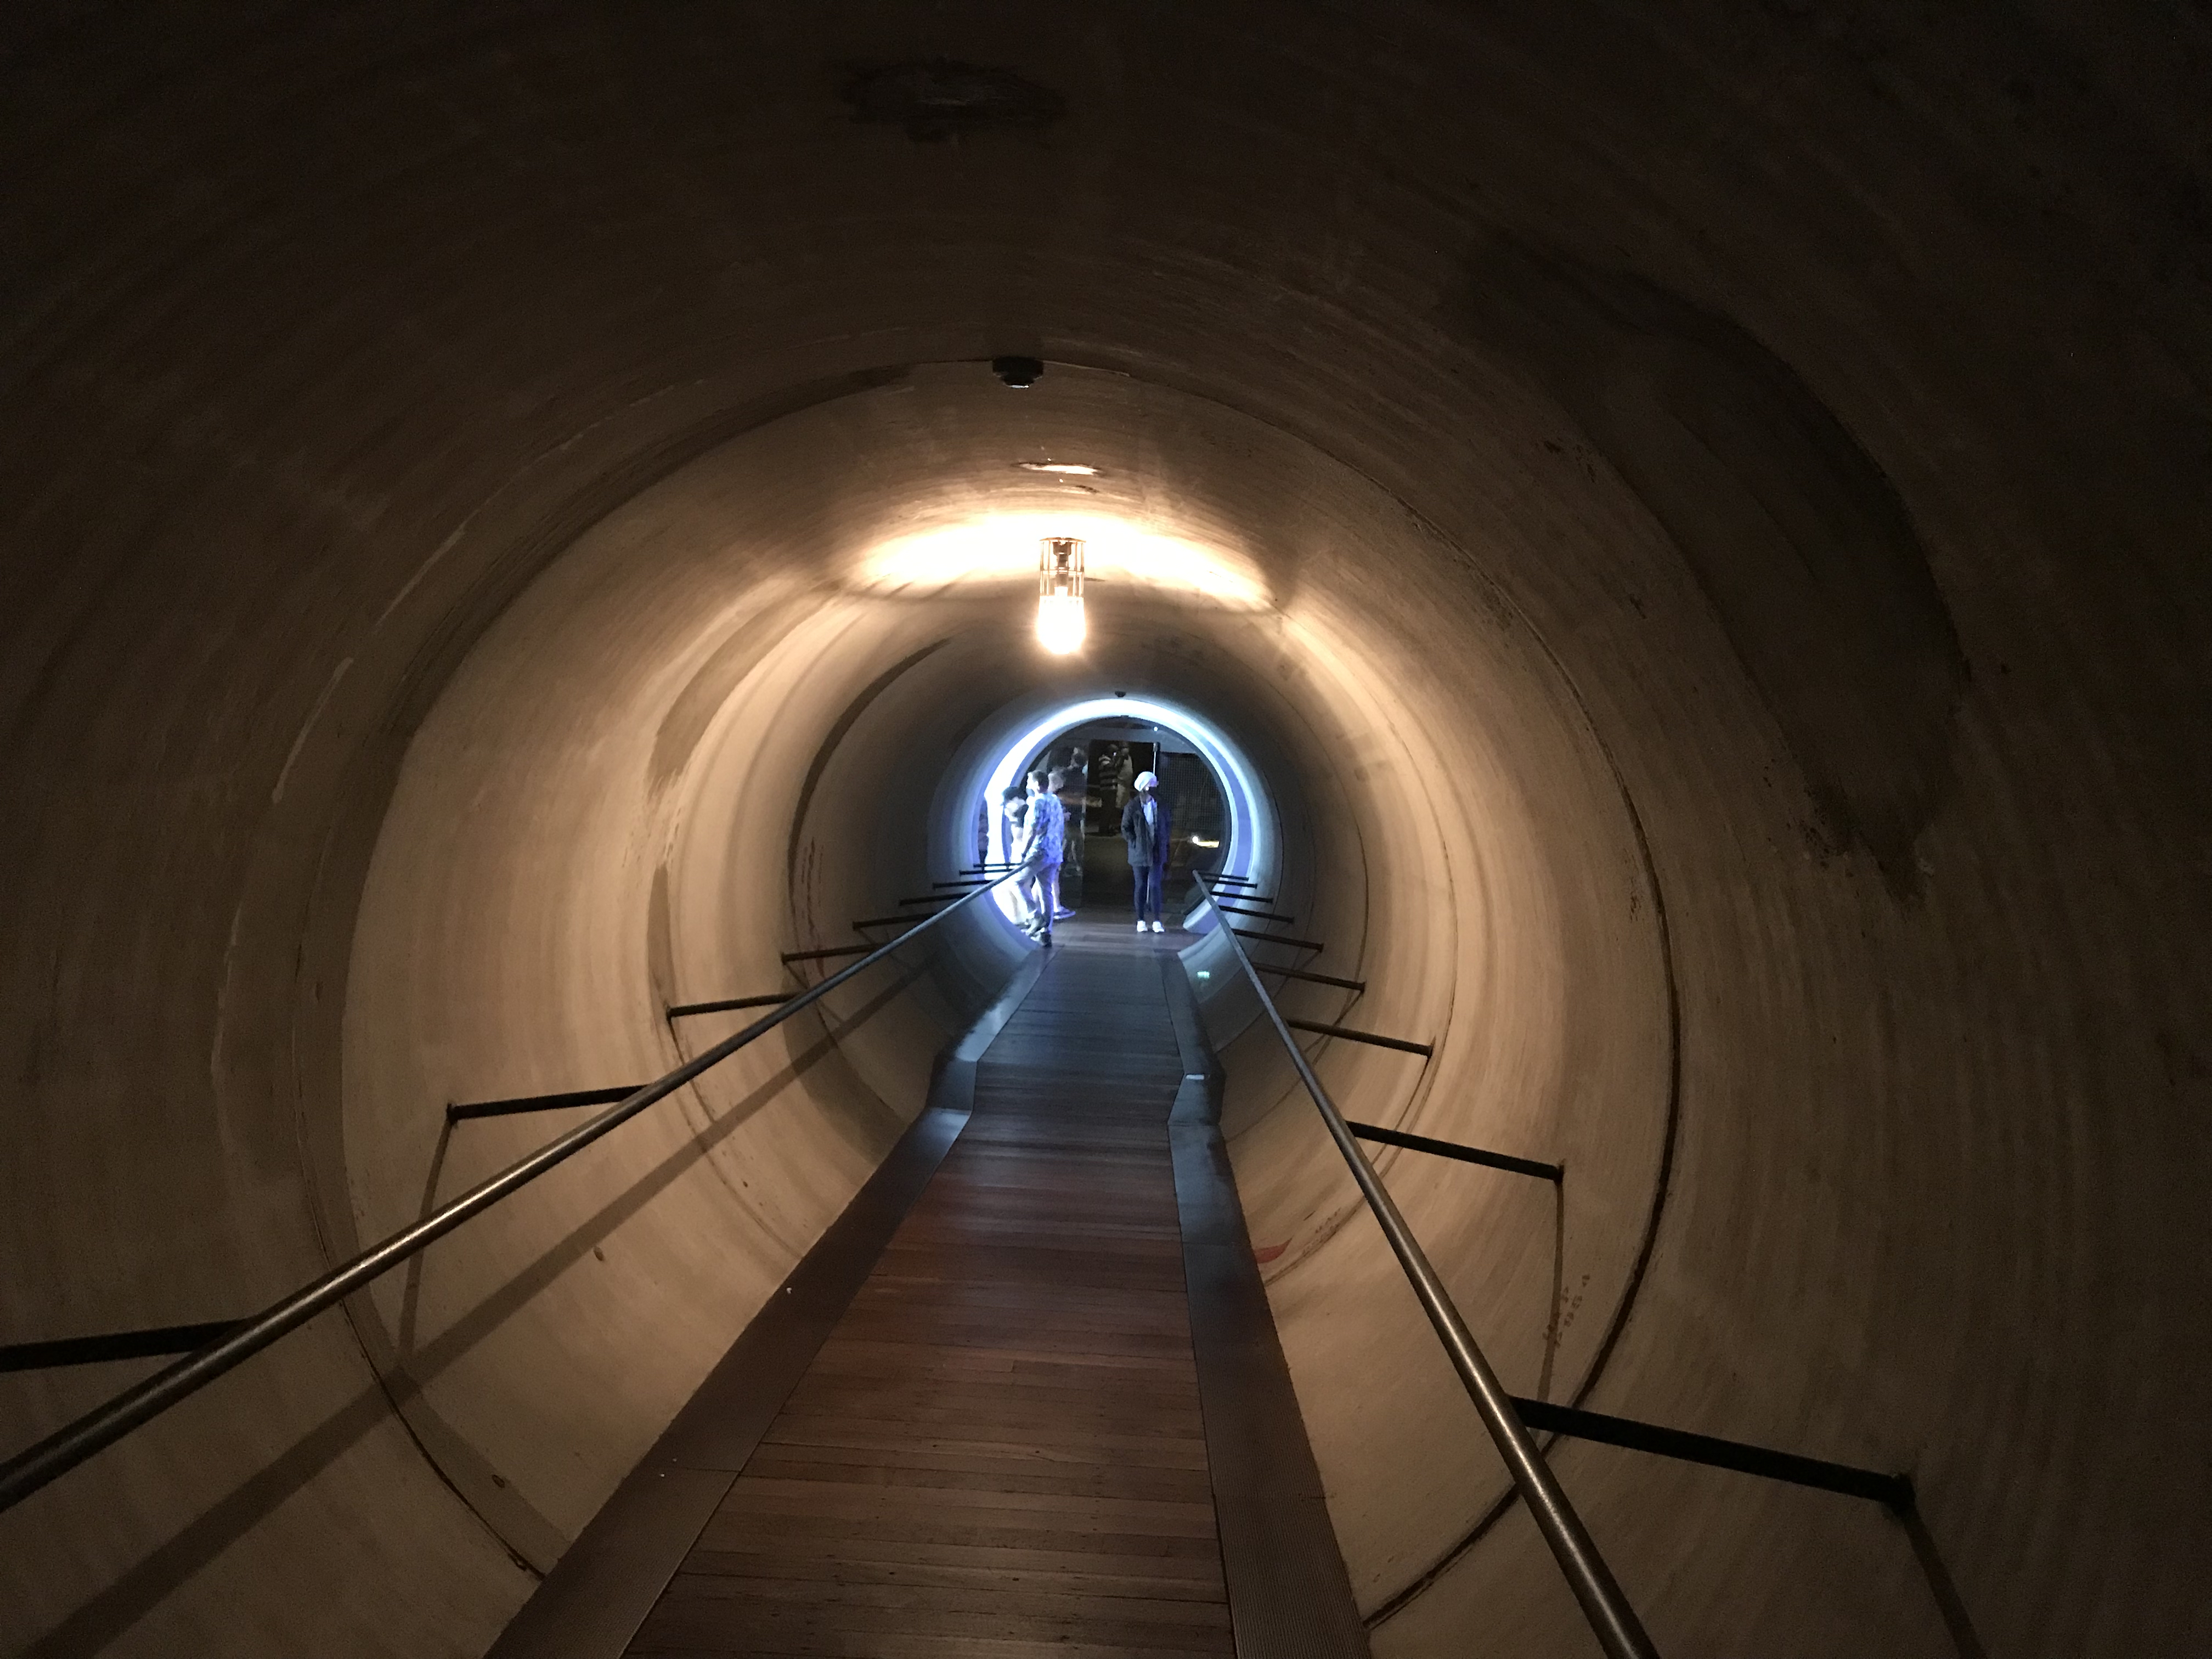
x=1060, y=595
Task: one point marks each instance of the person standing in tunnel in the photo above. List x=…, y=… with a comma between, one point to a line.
x=1013, y=817
x=1044, y=837
x=1068, y=783
x=1145, y=827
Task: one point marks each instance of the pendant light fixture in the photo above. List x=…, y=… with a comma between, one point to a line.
x=1060, y=595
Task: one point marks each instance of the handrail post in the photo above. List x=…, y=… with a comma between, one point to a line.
x=1614, y=1621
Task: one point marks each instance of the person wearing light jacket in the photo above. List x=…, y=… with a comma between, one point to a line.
x=1146, y=827
x=1044, y=837
x=1014, y=817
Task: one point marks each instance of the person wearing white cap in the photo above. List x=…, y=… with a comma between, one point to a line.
x=1145, y=828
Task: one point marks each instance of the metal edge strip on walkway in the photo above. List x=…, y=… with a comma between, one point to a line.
x=1290, y=1596
x=599, y=1592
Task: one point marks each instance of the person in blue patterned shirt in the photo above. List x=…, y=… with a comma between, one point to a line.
x=1014, y=815
x=1044, y=841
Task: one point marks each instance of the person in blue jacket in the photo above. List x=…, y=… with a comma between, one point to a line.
x=1146, y=827
x=1044, y=837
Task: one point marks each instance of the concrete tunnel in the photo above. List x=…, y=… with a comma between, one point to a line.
x=1697, y=518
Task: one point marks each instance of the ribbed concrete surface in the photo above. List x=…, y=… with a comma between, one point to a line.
x=444, y=455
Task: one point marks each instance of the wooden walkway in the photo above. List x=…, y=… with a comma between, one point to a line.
x=997, y=1453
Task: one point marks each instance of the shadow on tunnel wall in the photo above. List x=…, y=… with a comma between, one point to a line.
x=1798, y=538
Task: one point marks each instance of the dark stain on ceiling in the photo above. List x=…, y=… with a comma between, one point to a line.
x=937, y=99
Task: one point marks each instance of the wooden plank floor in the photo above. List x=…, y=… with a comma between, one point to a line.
x=998, y=1454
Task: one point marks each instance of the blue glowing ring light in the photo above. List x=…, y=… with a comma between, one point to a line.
x=1250, y=849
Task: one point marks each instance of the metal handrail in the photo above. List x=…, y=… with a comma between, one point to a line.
x=70, y=1445
x=1610, y=1618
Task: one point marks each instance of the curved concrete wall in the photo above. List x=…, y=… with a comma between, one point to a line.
x=1725, y=501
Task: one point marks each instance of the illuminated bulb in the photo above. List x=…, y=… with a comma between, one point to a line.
x=1059, y=594
x=1060, y=622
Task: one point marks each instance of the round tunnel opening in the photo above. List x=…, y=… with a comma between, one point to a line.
x=1096, y=770
x=1228, y=796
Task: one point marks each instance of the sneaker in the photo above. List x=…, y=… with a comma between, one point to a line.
x=1159, y=928
x=1140, y=926
x=1044, y=939
x=1063, y=916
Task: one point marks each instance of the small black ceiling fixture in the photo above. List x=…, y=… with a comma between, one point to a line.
x=1019, y=373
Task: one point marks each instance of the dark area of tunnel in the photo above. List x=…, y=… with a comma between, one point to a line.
x=1804, y=410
